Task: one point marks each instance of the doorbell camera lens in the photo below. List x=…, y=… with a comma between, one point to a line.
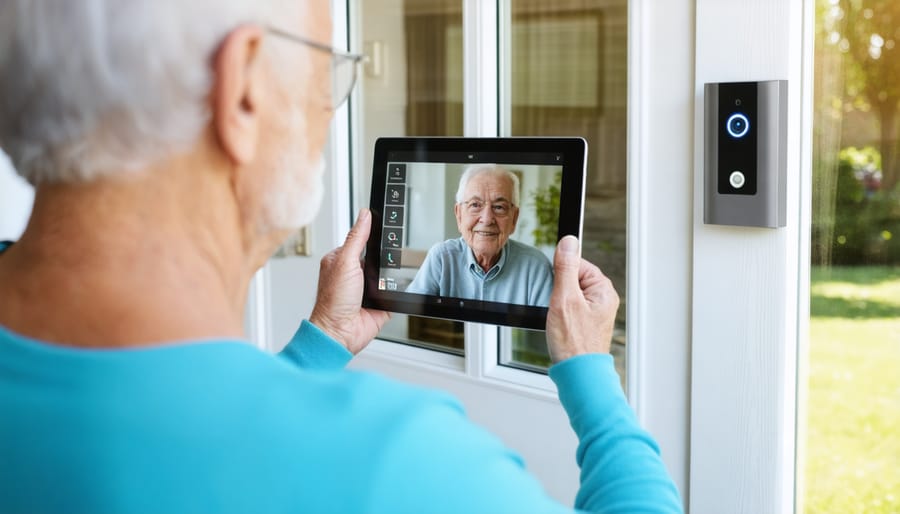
x=737, y=125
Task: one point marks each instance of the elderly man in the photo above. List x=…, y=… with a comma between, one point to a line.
x=484, y=263
x=173, y=145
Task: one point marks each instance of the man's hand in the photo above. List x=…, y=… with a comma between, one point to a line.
x=582, y=307
x=338, y=310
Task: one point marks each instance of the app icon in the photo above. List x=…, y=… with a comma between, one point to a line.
x=393, y=216
x=396, y=194
x=396, y=172
x=390, y=258
x=392, y=238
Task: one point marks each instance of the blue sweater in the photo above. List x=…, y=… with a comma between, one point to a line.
x=220, y=426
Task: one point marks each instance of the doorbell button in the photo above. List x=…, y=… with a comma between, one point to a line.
x=737, y=179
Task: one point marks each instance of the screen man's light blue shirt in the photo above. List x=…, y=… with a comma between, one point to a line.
x=522, y=276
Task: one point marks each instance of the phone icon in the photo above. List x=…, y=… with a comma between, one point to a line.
x=390, y=258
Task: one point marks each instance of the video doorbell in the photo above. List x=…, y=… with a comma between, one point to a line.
x=745, y=155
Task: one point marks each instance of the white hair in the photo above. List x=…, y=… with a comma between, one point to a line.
x=89, y=88
x=492, y=169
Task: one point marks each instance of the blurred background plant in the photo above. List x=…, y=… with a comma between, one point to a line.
x=546, y=207
x=865, y=226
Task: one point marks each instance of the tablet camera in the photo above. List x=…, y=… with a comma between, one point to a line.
x=737, y=125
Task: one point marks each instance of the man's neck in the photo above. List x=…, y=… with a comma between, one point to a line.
x=127, y=263
x=486, y=262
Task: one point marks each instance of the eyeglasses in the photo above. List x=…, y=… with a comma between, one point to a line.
x=343, y=66
x=498, y=209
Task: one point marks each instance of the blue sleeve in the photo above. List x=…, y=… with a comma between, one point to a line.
x=310, y=348
x=621, y=470
x=438, y=461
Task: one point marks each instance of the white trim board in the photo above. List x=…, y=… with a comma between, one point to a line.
x=746, y=283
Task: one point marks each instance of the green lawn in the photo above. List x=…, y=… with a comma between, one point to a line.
x=853, y=433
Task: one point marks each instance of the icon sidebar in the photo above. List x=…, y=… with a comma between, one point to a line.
x=394, y=214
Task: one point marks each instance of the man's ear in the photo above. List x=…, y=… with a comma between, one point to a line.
x=236, y=93
x=458, y=214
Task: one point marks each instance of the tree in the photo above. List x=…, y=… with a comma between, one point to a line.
x=870, y=39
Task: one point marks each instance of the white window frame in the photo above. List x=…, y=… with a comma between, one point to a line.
x=480, y=119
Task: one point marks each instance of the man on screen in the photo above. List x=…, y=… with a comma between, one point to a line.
x=484, y=263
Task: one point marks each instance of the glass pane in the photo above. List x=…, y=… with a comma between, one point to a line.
x=411, y=85
x=568, y=78
x=852, y=458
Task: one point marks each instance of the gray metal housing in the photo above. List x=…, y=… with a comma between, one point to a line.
x=767, y=208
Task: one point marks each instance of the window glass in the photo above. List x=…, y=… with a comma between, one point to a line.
x=412, y=86
x=853, y=401
x=567, y=77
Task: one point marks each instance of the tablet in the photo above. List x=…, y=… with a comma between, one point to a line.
x=466, y=228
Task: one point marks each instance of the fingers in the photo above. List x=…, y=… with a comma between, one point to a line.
x=596, y=286
x=380, y=317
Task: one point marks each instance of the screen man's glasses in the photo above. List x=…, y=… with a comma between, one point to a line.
x=499, y=209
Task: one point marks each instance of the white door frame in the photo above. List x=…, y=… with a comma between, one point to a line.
x=750, y=286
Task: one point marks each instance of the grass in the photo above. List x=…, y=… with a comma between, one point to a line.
x=853, y=428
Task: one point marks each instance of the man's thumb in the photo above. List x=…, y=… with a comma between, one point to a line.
x=359, y=233
x=567, y=260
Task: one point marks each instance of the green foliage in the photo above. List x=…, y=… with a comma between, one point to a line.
x=866, y=226
x=546, y=208
x=866, y=33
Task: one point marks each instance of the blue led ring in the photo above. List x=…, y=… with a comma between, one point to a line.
x=736, y=119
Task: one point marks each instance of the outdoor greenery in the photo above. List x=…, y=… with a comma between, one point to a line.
x=861, y=37
x=853, y=446
x=546, y=208
x=856, y=190
x=865, y=226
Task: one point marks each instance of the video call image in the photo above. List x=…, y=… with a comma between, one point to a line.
x=479, y=231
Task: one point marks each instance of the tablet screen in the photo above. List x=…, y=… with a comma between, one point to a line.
x=465, y=228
